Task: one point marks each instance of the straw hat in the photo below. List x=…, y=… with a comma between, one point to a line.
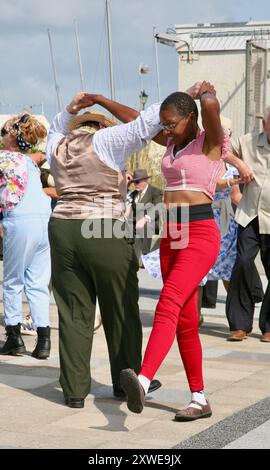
x=96, y=116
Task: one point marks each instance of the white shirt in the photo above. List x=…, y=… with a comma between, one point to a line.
x=113, y=145
x=254, y=149
x=138, y=198
x=140, y=194
x=144, y=191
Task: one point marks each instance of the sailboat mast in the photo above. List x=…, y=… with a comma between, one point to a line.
x=57, y=89
x=79, y=55
x=108, y=19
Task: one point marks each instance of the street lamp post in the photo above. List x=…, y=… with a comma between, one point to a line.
x=143, y=98
x=143, y=69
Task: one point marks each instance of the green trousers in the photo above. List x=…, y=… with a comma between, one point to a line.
x=84, y=269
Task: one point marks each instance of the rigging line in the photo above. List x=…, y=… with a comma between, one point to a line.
x=107, y=81
x=109, y=42
x=77, y=41
x=101, y=47
x=106, y=62
x=156, y=63
x=122, y=89
x=152, y=90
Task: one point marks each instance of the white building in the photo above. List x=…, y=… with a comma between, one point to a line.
x=233, y=56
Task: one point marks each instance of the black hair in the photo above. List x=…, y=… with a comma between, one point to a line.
x=182, y=102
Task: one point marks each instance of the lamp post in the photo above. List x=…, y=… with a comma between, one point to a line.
x=143, y=69
x=143, y=98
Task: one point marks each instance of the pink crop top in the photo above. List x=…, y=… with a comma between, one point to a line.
x=190, y=169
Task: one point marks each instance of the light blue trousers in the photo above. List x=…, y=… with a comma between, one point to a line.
x=27, y=267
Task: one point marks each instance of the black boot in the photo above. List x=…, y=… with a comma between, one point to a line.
x=14, y=344
x=43, y=346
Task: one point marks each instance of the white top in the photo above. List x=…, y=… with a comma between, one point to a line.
x=115, y=144
x=140, y=195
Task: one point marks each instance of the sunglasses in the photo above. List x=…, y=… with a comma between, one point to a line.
x=170, y=127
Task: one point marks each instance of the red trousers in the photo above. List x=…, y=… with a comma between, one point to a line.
x=183, y=267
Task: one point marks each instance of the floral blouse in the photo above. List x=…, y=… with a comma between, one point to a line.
x=13, y=179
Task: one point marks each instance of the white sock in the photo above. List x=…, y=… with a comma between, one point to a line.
x=199, y=397
x=145, y=382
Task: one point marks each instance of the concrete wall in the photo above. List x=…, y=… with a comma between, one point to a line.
x=226, y=70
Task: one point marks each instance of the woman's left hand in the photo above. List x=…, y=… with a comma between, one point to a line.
x=206, y=87
x=80, y=101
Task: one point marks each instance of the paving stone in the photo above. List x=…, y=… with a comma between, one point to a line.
x=237, y=376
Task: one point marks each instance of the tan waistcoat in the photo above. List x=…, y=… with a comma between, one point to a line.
x=87, y=187
x=255, y=151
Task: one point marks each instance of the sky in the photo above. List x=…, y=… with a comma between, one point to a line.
x=26, y=77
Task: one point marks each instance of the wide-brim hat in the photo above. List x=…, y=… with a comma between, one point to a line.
x=95, y=116
x=140, y=174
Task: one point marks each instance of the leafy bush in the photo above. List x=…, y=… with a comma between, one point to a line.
x=149, y=158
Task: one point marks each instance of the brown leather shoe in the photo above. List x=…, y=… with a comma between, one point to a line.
x=134, y=391
x=237, y=335
x=266, y=337
x=190, y=413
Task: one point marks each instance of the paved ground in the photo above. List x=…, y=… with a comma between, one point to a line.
x=237, y=377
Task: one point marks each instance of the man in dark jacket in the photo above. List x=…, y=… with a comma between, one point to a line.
x=145, y=203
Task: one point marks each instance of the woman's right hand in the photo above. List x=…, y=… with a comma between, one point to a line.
x=193, y=91
x=224, y=183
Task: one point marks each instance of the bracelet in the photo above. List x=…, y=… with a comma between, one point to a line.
x=228, y=181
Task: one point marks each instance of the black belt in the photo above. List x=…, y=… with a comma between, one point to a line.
x=182, y=214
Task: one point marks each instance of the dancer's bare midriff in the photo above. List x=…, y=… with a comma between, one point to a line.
x=185, y=197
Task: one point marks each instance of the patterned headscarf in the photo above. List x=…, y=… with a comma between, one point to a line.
x=20, y=140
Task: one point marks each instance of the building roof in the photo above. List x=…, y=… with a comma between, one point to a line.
x=216, y=36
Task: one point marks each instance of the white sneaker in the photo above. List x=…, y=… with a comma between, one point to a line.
x=27, y=327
